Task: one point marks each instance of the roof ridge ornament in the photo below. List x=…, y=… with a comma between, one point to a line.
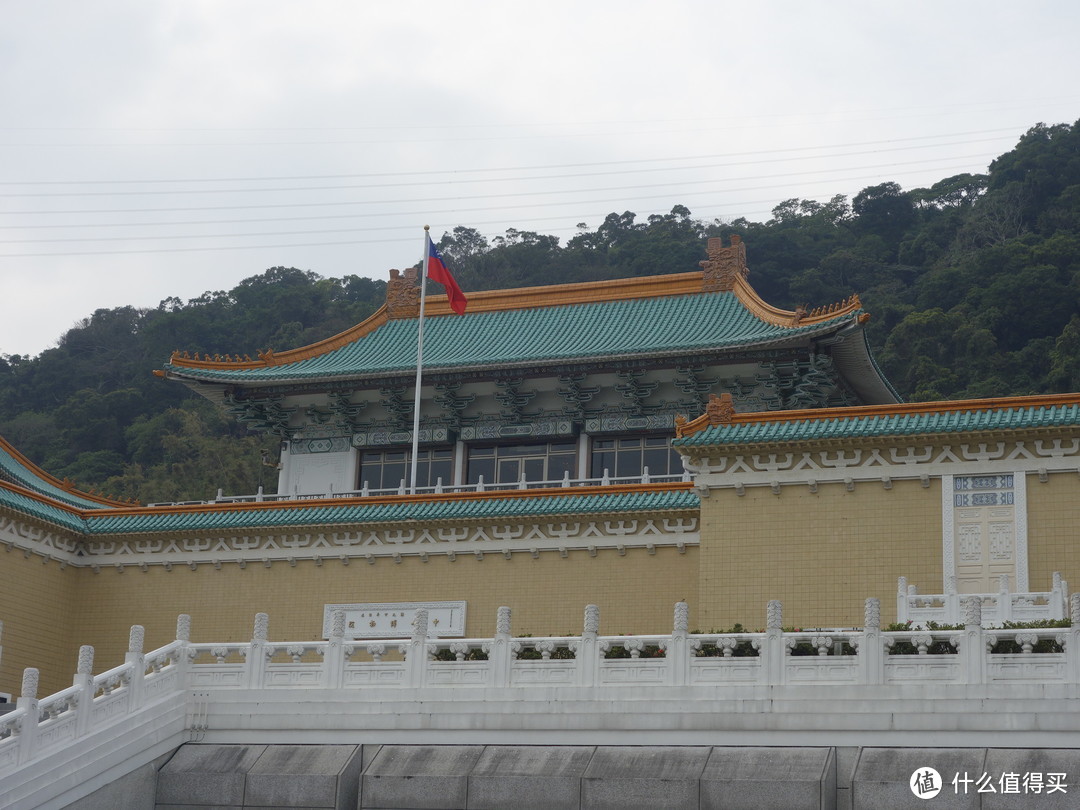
x=849, y=304
x=724, y=265
x=403, y=295
x=721, y=409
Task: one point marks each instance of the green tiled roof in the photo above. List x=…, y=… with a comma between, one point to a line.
x=885, y=424
x=638, y=327
x=43, y=511
x=164, y=519
x=421, y=511
x=14, y=471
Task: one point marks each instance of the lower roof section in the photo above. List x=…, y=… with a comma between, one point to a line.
x=394, y=509
x=402, y=508
x=15, y=468
x=721, y=426
x=21, y=501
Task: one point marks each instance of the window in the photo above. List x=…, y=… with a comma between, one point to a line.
x=508, y=463
x=388, y=468
x=629, y=456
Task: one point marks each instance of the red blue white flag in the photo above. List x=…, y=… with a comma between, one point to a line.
x=437, y=271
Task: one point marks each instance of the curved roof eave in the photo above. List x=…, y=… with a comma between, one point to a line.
x=797, y=336
x=711, y=310
x=853, y=359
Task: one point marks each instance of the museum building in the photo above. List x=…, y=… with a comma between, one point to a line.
x=629, y=444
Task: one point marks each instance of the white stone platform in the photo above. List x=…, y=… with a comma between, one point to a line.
x=865, y=687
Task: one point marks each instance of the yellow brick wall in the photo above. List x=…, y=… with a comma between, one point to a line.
x=38, y=610
x=1053, y=530
x=822, y=554
x=636, y=594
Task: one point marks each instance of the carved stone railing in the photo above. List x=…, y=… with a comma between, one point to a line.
x=37, y=727
x=590, y=663
x=440, y=488
x=997, y=608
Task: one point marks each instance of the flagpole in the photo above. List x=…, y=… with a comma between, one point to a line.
x=419, y=366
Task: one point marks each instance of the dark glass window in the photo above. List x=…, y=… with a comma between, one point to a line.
x=388, y=468
x=628, y=456
x=507, y=463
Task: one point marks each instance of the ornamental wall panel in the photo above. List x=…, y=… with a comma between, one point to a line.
x=884, y=463
x=984, y=531
x=423, y=540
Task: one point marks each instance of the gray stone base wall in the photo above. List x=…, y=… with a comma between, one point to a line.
x=553, y=777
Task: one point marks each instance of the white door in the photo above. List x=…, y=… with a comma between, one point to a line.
x=984, y=512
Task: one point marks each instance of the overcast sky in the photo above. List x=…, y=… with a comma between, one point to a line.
x=167, y=148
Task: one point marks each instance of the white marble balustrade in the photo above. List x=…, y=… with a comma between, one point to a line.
x=997, y=608
x=591, y=664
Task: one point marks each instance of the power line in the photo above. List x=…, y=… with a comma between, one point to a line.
x=542, y=167
x=483, y=180
x=319, y=217
x=425, y=214
x=500, y=196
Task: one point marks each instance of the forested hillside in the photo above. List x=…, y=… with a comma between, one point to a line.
x=974, y=285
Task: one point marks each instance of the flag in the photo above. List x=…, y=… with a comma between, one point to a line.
x=436, y=271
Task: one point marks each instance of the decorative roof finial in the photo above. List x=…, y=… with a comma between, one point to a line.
x=724, y=264
x=720, y=409
x=403, y=294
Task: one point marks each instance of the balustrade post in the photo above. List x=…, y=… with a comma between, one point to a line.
x=416, y=654
x=501, y=655
x=334, y=660
x=258, y=652
x=136, y=666
x=774, y=651
x=871, y=646
x=1071, y=637
x=587, y=649
x=952, y=600
x=84, y=681
x=1058, y=597
x=183, y=650
x=1005, y=611
x=678, y=649
x=901, y=600
x=28, y=726
x=973, y=650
